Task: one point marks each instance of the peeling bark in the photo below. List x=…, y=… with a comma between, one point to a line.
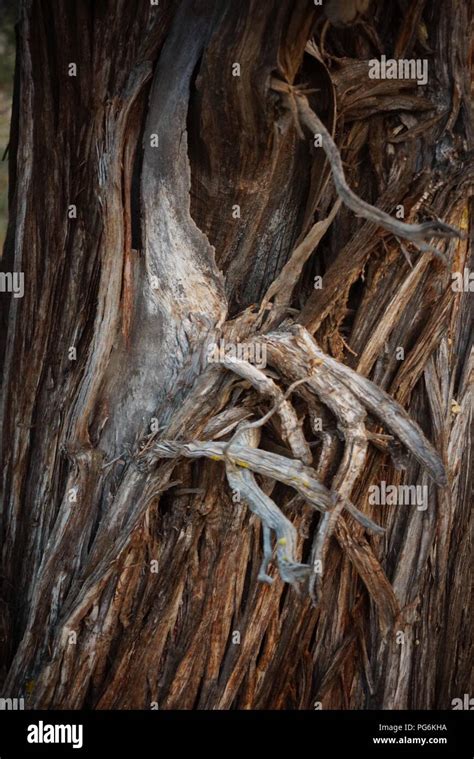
x=148, y=491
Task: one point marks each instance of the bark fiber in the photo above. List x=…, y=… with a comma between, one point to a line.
x=153, y=270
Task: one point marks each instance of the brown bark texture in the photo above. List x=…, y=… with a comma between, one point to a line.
x=186, y=533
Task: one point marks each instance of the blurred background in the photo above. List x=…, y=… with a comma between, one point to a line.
x=8, y=14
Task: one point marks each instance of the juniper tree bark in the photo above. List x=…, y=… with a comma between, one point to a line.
x=167, y=193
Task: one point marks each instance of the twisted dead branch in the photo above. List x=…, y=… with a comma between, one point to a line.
x=273, y=520
x=299, y=346
x=298, y=104
x=296, y=356
x=291, y=426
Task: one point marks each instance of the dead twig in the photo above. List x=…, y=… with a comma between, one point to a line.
x=294, y=349
x=416, y=233
x=291, y=425
x=273, y=520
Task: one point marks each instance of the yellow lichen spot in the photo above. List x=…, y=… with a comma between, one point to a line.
x=455, y=407
x=314, y=363
x=241, y=463
x=216, y=458
x=282, y=542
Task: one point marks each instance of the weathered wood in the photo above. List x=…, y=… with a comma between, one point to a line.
x=141, y=509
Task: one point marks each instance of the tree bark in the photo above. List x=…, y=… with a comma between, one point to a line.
x=157, y=198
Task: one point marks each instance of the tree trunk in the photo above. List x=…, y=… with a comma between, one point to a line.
x=157, y=192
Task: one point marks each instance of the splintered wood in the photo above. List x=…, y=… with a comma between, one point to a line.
x=295, y=355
